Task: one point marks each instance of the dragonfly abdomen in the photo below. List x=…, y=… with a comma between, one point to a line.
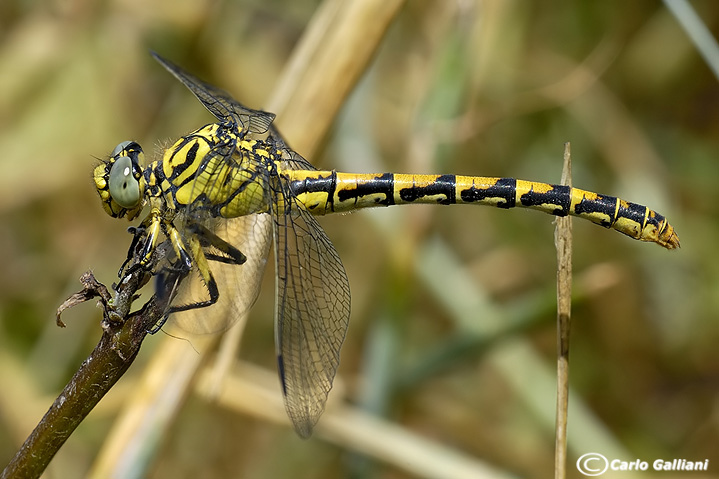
x=324, y=192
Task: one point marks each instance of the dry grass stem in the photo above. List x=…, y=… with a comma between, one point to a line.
x=563, y=242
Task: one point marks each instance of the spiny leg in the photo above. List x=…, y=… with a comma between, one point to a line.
x=231, y=255
x=200, y=239
x=137, y=234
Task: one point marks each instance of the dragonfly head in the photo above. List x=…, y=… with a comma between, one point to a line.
x=118, y=181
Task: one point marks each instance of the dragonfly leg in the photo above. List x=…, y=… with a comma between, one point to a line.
x=228, y=253
x=137, y=234
x=204, y=246
x=202, y=238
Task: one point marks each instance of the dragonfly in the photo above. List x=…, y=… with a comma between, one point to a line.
x=220, y=195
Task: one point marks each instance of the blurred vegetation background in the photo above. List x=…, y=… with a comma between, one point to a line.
x=452, y=335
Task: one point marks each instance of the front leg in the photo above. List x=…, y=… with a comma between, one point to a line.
x=144, y=244
x=138, y=233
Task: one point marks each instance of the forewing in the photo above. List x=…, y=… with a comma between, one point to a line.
x=312, y=311
x=219, y=102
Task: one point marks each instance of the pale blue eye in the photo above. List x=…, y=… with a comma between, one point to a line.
x=124, y=188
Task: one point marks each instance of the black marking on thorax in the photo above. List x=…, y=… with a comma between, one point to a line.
x=258, y=174
x=190, y=156
x=154, y=176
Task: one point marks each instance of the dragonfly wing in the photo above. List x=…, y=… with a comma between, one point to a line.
x=291, y=160
x=239, y=285
x=311, y=313
x=219, y=102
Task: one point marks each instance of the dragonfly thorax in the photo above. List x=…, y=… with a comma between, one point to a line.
x=214, y=169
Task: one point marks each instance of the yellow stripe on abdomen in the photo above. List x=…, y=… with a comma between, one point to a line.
x=324, y=192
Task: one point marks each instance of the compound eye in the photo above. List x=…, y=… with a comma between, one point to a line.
x=124, y=188
x=118, y=149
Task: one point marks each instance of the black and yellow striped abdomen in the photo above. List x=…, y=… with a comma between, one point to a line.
x=324, y=192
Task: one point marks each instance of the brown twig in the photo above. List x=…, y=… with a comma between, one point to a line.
x=123, y=333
